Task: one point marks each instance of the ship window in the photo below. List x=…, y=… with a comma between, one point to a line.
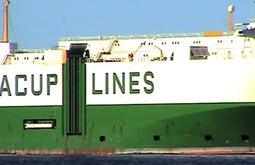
x=196, y=42
x=175, y=43
x=198, y=52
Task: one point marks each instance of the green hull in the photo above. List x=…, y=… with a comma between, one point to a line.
x=133, y=127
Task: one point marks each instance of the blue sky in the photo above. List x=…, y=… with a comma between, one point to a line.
x=40, y=23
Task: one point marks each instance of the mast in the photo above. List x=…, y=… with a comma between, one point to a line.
x=231, y=9
x=5, y=24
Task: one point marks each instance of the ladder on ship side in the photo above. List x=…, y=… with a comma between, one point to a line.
x=74, y=87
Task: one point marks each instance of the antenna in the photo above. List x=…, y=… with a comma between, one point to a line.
x=6, y=22
x=231, y=9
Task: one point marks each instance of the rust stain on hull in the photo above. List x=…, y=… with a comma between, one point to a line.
x=182, y=151
x=58, y=152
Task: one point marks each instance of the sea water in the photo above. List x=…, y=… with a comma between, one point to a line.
x=128, y=159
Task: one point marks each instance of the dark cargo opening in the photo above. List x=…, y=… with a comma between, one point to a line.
x=102, y=138
x=208, y=137
x=245, y=138
x=199, y=52
x=156, y=138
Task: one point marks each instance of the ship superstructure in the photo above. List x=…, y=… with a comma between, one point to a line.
x=171, y=47
x=149, y=48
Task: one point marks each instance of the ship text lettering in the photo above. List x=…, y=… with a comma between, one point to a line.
x=22, y=84
x=132, y=83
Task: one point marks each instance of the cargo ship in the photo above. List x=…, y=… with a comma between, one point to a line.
x=189, y=93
